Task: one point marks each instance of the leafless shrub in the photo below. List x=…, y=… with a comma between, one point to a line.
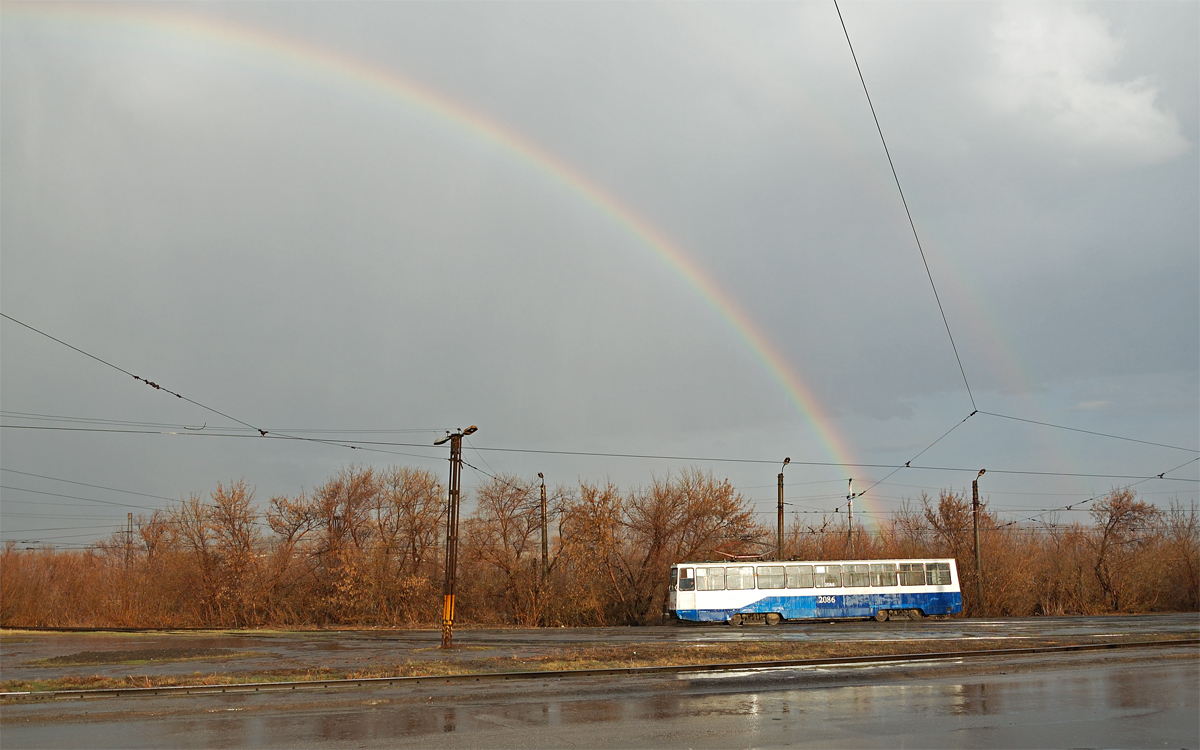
x=367, y=548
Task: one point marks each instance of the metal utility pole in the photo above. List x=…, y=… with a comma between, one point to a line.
x=129, y=539
x=545, y=536
x=455, y=439
x=978, y=559
x=779, y=554
x=850, y=516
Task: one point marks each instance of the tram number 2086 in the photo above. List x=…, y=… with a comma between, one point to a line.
x=826, y=600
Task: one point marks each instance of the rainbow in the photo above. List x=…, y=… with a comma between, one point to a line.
x=322, y=63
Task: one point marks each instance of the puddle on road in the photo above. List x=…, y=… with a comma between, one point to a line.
x=874, y=710
x=139, y=656
x=1116, y=690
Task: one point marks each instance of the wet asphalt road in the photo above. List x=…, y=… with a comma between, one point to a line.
x=1112, y=699
x=1126, y=698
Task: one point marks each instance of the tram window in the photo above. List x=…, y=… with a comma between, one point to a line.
x=710, y=579
x=937, y=574
x=747, y=576
x=799, y=577
x=674, y=577
x=771, y=577
x=912, y=574
x=827, y=576
x=715, y=576
x=883, y=574
x=858, y=575
x=686, y=581
x=733, y=581
x=739, y=578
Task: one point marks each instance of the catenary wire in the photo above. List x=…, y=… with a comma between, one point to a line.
x=85, y=484
x=907, y=212
x=268, y=436
x=481, y=456
x=101, y=420
x=148, y=382
x=1073, y=506
x=75, y=497
x=362, y=445
x=264, y=433
x=261, y=432
x=908, y=463
x=1088, y=432
x=60, y=516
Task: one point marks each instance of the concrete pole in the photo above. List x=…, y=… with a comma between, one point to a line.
x=978, y=558
x=545, y=536
x=779, y=532
x=850, y=517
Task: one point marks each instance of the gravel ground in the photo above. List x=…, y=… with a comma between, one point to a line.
x=29, y=655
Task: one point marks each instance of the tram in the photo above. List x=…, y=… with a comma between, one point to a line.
x=771, y=592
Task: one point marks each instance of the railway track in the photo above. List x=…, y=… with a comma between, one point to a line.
x=373, y=682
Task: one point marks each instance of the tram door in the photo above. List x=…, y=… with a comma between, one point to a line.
x=687, y=589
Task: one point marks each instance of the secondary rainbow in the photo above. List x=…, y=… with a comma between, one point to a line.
x=323, y=62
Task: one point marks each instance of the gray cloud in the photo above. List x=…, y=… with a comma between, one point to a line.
x=297, y=248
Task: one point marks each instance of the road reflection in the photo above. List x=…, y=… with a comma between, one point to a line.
x=858, y=703
x=743, y=706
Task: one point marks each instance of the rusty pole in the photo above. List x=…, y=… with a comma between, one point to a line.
x=452, y=532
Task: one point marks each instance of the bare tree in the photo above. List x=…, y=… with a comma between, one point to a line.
x=1183, y=539
x=588, y=554
x=502, y=536
x=341, y=510
x=408, y=515
x=673, y=520
x=1123, y=523
x=362, y=548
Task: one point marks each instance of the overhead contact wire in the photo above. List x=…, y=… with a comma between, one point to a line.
x=139, y=378
x=1074, y=506
x=261, y=432
x=908, y=463
x=907, y=212
x=701, y=459
x=1089, y=432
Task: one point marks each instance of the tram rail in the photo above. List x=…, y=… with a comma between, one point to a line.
x=416, y=681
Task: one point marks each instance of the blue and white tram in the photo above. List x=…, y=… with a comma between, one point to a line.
x=742, y=592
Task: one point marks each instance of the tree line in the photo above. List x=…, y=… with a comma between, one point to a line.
x=367, y=548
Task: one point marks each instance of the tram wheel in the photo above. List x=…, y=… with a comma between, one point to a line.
x=737, y=621
x=916, y=614
x=881, y=615
x=773, y=618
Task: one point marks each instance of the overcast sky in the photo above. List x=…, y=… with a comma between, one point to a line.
x=239, y=202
